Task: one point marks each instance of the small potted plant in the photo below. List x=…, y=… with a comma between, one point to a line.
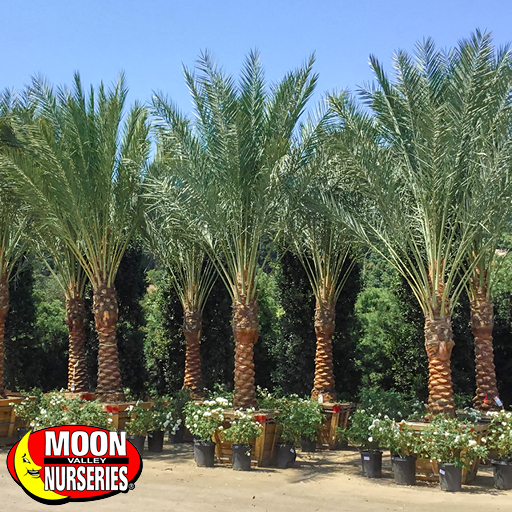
x=452, y=444
x=244, y=429
x=202, y=420
x=402, y=441
x=364, y=433
x=138, y=426
x=499, y=441
x=161, y=411
x=176, y=421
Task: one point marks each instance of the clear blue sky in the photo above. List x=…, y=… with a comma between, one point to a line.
x=151, y=39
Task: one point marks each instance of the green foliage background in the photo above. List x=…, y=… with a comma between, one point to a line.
x=378, y=341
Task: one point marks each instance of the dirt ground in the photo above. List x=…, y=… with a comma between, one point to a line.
x=323, y=481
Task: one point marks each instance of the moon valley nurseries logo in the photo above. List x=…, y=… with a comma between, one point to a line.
x=74, y=463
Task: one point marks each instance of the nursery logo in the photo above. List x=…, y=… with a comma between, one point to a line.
x=74, y=463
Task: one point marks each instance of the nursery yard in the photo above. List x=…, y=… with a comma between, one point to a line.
x=322, y=481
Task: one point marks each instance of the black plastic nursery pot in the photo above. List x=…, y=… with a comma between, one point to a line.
x=286, y=456
x=177, y=437
x=404, y=470
x=502, y=474
x=307, y=445
x=204, y=453
x=138, y=442
x=241, y=457
x=450, y=477
x=156, y=441
x=20, y=432
x=372, y=463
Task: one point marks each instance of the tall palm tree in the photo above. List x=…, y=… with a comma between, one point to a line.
x=13, y=226
x=72, y=280
x=412, y=160
x=324, y=248
x=80, y=163
x=178, y=246
x=235, y=166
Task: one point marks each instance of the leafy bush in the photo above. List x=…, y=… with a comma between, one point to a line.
x=298, y=417
x=397, y=406
x=399, y=438
x=451, y=442
x=244, y=428
x=366, y=431
x=499, y=435
x=141, y=421
x=204, y=418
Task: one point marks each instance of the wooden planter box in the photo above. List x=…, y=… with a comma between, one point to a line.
x=8, y=421
x=428, y=470
x=119, y=413
x=327, y=437
x=262, y=448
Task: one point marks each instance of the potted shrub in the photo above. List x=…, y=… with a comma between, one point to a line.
x=176, y=421
x=202, y=420
x=27, y=411
x=244, y=429
x=363, y=433
x=402, y=441
x=138, y=426
x=499, y=441
x=161, y=417
x=452, y=444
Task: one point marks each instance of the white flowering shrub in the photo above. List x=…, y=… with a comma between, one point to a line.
x=244, y=427
x=298, y=417
x=141, y=420
x=54, y=409
x=399, y=438
x=499, y=435
x=367, y=430
x=204, y=418
x=449, y=441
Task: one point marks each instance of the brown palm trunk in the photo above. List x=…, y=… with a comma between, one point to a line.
x=193, y=380
x=324, y=328
x=482, y=322
x=4, y=308
x=77, y=367
x=439, y=345
x=245, y=331
x=110, y=386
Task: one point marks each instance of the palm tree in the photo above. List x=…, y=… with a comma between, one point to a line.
x=80, y=163
x=236, y=165
x=72, y=280
x=13, y=225
x=192, y=273
x=323, y=246
x=412, y=162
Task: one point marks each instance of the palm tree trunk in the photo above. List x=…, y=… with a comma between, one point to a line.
x=439, y=345
x=193, y=380
x=77, y=367
x=110, y=386
x=245, y=331
x=482, y=323
x=324, y=328
x=4, y=308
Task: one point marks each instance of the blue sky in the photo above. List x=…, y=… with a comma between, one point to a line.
x=151, y=39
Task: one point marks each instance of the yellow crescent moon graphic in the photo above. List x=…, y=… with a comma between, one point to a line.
x=28, y=473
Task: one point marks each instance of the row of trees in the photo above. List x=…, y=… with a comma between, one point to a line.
x=420, y=174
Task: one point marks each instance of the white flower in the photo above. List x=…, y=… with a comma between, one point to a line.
x=472, y=442
x=370, y=439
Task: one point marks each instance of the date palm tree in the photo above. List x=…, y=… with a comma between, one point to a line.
x=415, y=161
x=80, y=163
x=14, y=221
x=325, y=249
x=72, y=280
x=177, y=244
x=236, y=163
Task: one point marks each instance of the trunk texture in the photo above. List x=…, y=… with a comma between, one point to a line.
x=245, y=331
x=482, y=323
x=110, y=386
x=4, y=308
x=324, y=329
x=77, y=367
x=193, y=380
x=439, y=345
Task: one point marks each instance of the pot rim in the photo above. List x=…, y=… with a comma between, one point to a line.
x=501, y=462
